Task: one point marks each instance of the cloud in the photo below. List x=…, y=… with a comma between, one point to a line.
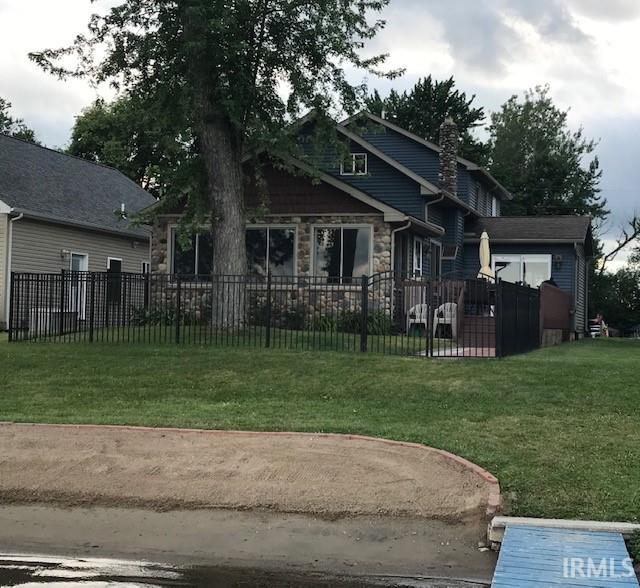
x=608, y=10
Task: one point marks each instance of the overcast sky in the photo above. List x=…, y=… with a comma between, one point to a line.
x=587, y=50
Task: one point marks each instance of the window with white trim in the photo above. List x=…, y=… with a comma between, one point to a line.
x=354, y=164
x=271, y=249
x=417, y=256
x=342, y=253
x=528, y=269
x=195, y=257
x=436, y=259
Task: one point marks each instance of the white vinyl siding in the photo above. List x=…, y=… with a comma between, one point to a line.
x=38, y=246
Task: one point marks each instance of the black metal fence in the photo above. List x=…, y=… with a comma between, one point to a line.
x=383, y=313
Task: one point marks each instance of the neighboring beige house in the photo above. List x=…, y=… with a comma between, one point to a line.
x=59, y=212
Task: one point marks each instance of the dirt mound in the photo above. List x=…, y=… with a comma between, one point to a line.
x=327, y=475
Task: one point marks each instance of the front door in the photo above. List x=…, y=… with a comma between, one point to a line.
x=79, y=265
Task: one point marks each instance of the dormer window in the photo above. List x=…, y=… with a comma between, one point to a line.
x=355, y=164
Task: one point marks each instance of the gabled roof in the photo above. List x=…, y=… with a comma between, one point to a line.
x=533, y=229
x=469, y=165
x=49, y=185
x=426, y=187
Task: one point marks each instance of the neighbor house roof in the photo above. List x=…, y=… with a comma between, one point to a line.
x=538, y=229
x=46, y=184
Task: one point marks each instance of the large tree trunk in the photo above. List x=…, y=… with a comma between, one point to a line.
x=221, y=151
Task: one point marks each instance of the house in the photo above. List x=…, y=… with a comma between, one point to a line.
x=395, y=203
x=59, y=212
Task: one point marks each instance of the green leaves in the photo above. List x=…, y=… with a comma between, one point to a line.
x=422, y=109
x=541, y=161
x=14, y=127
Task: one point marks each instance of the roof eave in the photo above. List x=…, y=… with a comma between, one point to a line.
x=78, y=224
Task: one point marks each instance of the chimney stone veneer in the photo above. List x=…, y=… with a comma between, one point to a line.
x=448, y=174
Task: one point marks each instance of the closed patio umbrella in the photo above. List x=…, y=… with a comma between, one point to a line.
x=485, y=257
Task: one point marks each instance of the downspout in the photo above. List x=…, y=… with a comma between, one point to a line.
x=428, y=204
x=8, y=270
x=393, y=243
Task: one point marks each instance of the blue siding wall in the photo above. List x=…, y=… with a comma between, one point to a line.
x=454, y=235
x=420, y=159
x=383, y=183
x=436, y=214
x=563, y=276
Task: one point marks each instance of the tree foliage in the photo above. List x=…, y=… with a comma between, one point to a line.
x=548, y=168
x=232, y=72
x=14, y=127
x=422, y=109
x=617, y=296
x=141, y=143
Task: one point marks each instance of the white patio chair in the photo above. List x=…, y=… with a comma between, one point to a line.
x=446, y=314
x=418, y=315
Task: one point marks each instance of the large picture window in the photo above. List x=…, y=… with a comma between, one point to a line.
x=342, y=253
x=529, y=269
x=271, y=249
x=194, y=258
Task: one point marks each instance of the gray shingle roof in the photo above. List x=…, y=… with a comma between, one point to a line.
x=49, y=184
x=576, y=229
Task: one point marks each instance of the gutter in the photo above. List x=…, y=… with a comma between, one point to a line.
x=82, y=225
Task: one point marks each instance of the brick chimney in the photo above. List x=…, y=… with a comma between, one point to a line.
x=448, y=174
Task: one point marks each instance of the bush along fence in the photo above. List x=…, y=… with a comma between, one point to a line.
x=383, y=313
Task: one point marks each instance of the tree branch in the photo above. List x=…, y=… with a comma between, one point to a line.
x=628, y=235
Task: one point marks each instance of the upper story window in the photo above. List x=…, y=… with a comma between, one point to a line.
x=270, y=249
x=354, y=164
x=342, y=253
x=495, y=206
x=193, y=258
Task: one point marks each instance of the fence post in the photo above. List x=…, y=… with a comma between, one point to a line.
x=267, y=340
x=498, y=318
x=10, y=321
x=178, y=307
x=92, y=295
x=364, y=304
x=61, y=315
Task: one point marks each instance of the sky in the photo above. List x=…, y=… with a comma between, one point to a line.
x=586, y=50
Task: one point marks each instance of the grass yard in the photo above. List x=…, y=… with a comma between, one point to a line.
x=560, y=427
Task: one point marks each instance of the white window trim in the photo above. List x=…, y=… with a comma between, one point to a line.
x=521, y=259
x=494, y=206
x=267, y=226
x=353, y=166
x=110, y=259
x=85, y=255
x=142, y=264
x=340, y=226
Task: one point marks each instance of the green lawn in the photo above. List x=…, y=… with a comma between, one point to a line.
x=559, y=427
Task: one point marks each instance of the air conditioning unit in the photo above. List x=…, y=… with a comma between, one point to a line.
x=51, y=321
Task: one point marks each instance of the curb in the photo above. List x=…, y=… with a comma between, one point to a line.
x=494, y=500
